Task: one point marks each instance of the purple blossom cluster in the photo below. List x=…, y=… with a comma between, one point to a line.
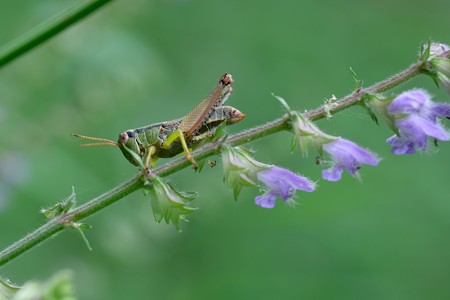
x=416, y=119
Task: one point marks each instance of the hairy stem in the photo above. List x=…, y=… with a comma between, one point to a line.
x=46, y=30
x=59, y=223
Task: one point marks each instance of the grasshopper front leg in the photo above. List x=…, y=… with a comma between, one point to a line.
x=149, y=157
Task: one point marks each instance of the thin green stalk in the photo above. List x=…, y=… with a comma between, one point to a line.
x=48, y=29
x=59, y=223
x=55, y=225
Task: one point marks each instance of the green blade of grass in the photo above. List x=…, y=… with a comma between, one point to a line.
x=48, y=29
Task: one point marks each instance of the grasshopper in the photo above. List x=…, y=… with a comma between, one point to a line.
x=167, y=139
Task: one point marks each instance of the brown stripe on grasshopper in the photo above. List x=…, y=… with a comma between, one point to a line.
x=199, y=113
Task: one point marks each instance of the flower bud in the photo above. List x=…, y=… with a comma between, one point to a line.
x=308, y=135
x=442, y=72
x=377, y=107
x=240, y=168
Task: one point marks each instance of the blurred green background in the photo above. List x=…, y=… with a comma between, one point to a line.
x=138, y=62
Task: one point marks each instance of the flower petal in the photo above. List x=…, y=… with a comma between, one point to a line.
x=282, y=183
x=408, y=102
x=333, y=174
x=401, y=146
x=267, y=200
x=441, y=110
x=415, y=129
x=347, y=155
x=279, y=176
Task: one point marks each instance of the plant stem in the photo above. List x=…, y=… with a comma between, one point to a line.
x=59, y=223
x=48, y=29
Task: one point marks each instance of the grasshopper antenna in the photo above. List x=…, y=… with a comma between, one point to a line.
x=100, y=141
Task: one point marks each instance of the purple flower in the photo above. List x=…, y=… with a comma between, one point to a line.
x=416, y=119
x=346, y=155
x=241, y=169
x=281, y=183
x=438, y=49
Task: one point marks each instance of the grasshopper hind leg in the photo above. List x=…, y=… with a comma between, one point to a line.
x=180, y=135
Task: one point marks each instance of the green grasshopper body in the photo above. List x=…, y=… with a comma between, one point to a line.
x=167, y=139
x=139, y=140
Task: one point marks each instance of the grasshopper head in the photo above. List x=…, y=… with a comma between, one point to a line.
x=128, y=143
x=235, y=116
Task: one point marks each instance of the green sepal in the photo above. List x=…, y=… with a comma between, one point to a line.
x=368, y=110
x=294, y=143
x=60, y=208
x=435, y=79
x=58, y=287
x=425, y=51
x=169, y=204
x=308, y=135
x=439, y=71
x=240, y=168
x=376, y=107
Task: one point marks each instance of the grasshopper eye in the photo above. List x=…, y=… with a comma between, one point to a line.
x=123, y=138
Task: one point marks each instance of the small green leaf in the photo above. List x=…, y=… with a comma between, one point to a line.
x=425, y=51
x=283, y=103
x=358, y=83
x=80, y=227
x=60, y=208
